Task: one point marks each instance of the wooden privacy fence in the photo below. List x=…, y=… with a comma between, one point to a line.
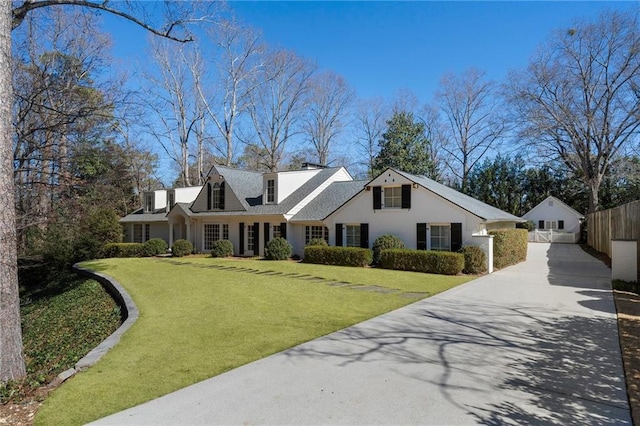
x=619, y=223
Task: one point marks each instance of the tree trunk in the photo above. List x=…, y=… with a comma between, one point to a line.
x=11, y=358
x=594, y=188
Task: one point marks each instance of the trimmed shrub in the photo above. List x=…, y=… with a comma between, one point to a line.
x=154, y=247
x=318, y=242
x=434, y=262
x=278, y=249
x=123, y=250
x=341, y=256
x=385, y=242
x=221, y=248
x=509, y=247
x=475, y=260
x=181, y=248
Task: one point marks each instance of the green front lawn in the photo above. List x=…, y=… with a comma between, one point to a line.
x=200, y=317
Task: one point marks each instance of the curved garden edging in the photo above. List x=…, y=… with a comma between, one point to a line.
x=129, y=313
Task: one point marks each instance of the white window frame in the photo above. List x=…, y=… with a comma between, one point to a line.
x=212, y=232
x=271, y=191
x=215, y=196
x=149, y=203
x=352, y=235
x=138, y=233
x=315, y=231
x=392, y=197
x=171, y=200
x=251, y=241
x=551, y=225
x=147, y=231
x=275, y=231
x=439, y=238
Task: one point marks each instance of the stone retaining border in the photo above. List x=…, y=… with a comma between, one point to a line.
x=128, y=312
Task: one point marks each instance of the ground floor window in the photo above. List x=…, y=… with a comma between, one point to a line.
x=353, y=236
x=275, y=230
x=551, y=224
x=441, y=237
x=137, y=233
x=214, y=232
x=250, y=238
x=147, y=231
x=312, y=232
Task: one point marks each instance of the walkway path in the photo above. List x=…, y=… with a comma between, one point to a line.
x=533, y=343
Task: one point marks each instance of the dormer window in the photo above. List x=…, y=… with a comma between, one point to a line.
x=271, y=191
x=171, y=200
x=148, y=203
x=215, y=196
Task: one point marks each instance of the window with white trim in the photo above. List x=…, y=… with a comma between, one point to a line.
x=353, y=236
x=551, y=224
x=250, y=239
x=215, y=196
x=312, y=232
x=392, y=197
x=275, y=231
x=440, y=237
x=214, y=232
x=171, y=197
x=147, y=231
x=271, y=191
x=148, y=203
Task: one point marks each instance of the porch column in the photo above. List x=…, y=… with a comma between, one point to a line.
x=188, y=236
x=170, y=233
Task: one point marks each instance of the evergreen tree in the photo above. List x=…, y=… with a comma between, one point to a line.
x=404, y=146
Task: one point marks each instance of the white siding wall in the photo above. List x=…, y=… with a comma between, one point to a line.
x=160, y=199
x=187, y=195
x=288, y=182
x=556, y=212
x=426, y=207
x=340, y=176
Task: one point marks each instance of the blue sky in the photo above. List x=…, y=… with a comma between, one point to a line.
x=382, y=47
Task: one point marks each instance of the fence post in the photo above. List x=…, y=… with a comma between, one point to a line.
x=485, y=242
x=624, y=260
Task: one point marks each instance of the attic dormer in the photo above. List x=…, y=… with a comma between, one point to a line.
x=215, y=189
x=154, y=200
x=277, y=186
x=270, y=188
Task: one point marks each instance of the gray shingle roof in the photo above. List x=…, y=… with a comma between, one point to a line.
x=477, y=207
x=139, y=216
x=245, y=184
x=329, y=200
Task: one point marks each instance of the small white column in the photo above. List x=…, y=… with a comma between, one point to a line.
x=485, y=242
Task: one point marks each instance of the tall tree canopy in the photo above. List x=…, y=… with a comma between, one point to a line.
x=404, y=146
x=579, y=98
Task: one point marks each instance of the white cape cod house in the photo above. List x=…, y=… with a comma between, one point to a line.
x=554, y=221
x=250, y=208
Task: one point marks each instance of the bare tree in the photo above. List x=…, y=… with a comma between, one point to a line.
x=329, y=98
x=580, y=96
x=370, y=122
x=238, y=63
x=435, y=133
x=473, y=124
x=11, y=358
x=173, y=81
x=276, y=106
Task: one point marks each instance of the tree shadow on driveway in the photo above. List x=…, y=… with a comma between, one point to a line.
x=490, y=363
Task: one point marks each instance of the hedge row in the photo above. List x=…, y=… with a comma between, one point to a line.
x=342, y=256
x=434, y=262
x=509, y=247
x=475, y=260
x=123, y=250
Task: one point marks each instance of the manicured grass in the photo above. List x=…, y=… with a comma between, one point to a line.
x=197, y=321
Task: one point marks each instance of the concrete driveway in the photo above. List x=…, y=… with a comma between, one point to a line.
x=536, y=343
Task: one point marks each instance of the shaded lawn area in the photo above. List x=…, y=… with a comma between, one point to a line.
x=200, y=317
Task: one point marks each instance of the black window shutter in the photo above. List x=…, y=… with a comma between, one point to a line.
x=221, y=201
x=456, y=236
x=283, y=230
x=364, y=235
x=266, y=228
x=541, y=224
x=421, y=236
x=406, y=196
x=326, y=234
x=241, y=229
x=256, y=238
x=377, y=197
x=561, y=224
x=208, y=196
x=338, y=234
